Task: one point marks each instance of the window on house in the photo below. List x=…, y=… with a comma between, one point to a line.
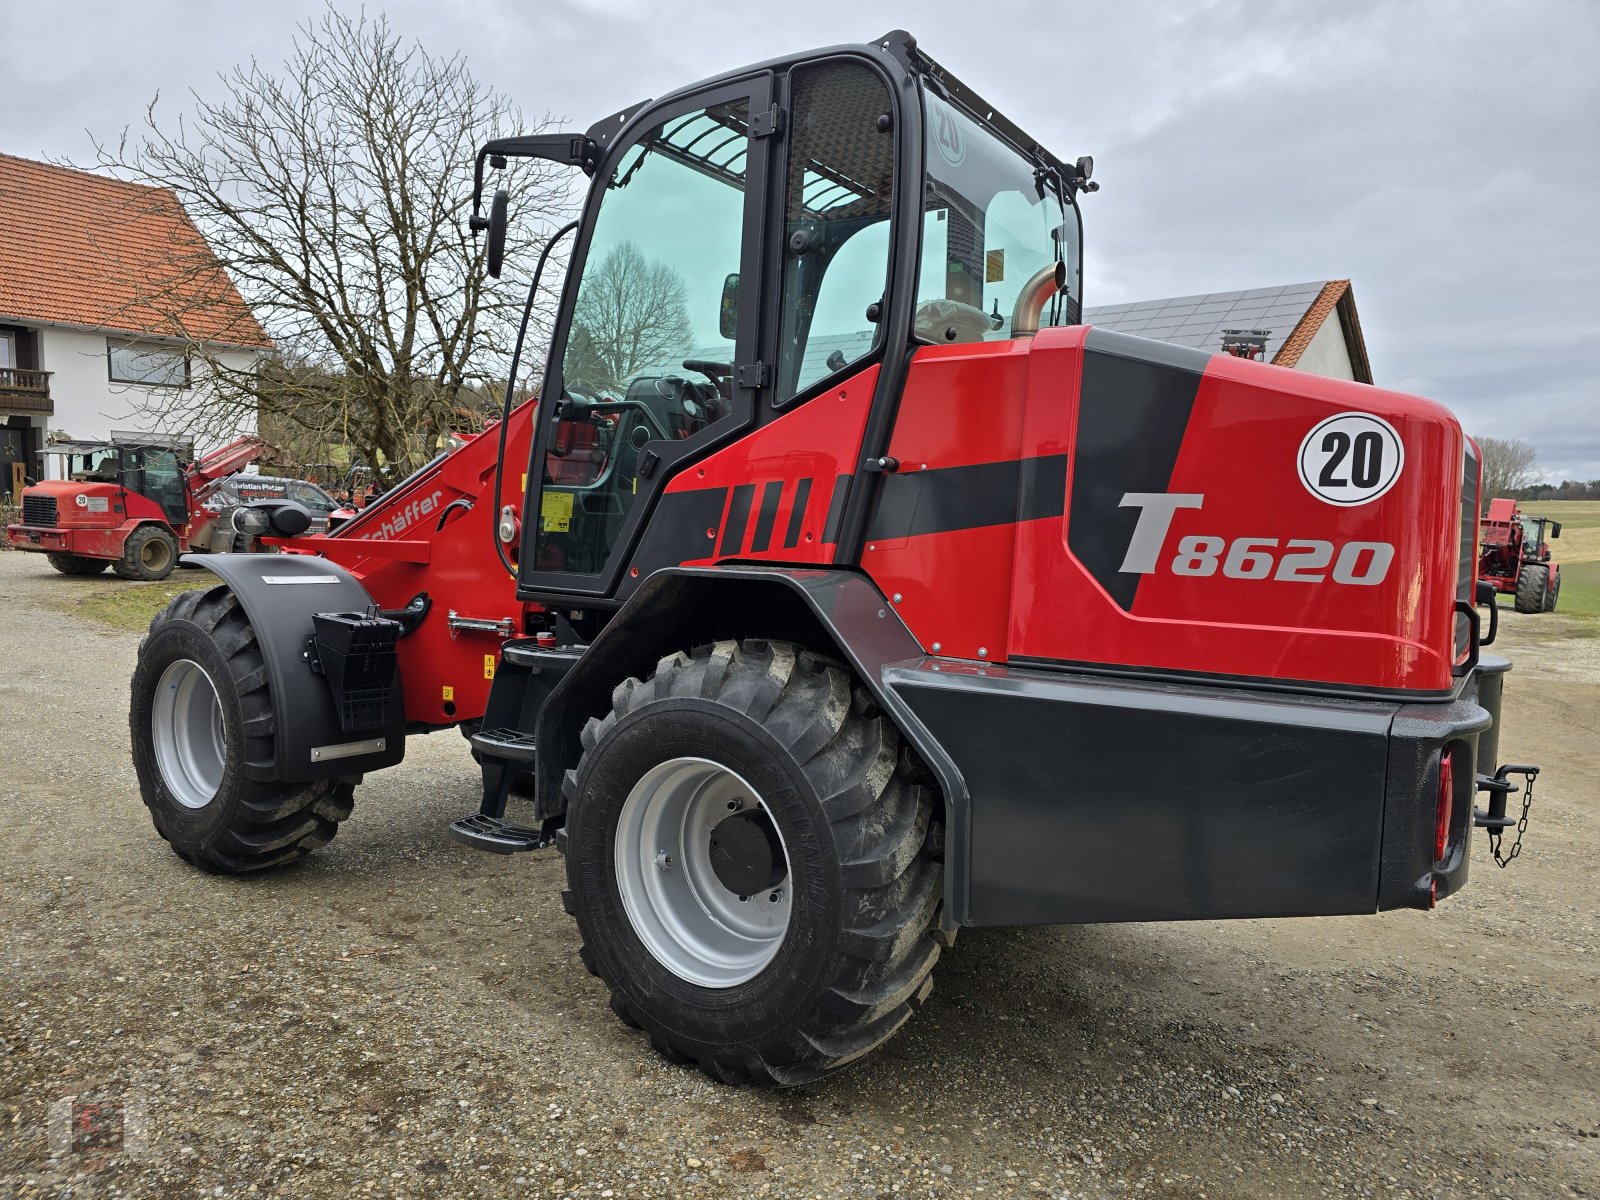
x=148, y=363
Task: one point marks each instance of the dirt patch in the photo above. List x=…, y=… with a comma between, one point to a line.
x=400, y=1016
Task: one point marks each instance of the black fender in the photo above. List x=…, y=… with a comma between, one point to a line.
x=830, y=610
x=280, y=593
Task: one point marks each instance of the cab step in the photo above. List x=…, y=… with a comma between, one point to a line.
x=499, y=836
x=505, y=745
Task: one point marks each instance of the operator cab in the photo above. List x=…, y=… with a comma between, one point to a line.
x=750, y=244
x=152, y=469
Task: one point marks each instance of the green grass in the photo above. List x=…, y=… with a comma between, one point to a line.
x=1580, y=589
x=121, y=603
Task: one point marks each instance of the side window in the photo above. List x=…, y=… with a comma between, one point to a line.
x=163, y=482
x=649, y=355
x=311, y=497
x=838, y=200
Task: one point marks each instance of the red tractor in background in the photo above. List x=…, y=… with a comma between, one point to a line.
x=870, y=596
x=1515, y=558
x=130, y=503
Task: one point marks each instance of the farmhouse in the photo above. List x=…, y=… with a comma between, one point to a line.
x=106, y=290
x=1308, y=326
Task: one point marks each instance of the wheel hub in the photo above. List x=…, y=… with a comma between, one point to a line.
x=747, y=854
x=699, y=865
x=187, y=733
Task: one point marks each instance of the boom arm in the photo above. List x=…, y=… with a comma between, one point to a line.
x=230, y=458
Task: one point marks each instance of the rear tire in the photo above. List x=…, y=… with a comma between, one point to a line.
x=149, y=554
x=826, y=962
x=203, y=728
x=77, y=564
x=1532, y=584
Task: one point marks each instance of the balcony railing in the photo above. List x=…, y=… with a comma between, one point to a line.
x=21, y=388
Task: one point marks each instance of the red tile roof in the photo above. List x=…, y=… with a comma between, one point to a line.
x=83, y=249
x=1336, y=296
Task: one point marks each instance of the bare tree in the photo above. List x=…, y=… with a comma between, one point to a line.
x=1508, y=466
x=631, y=314
x=335, y=194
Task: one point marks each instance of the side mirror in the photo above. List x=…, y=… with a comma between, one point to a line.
x=728, y=318
x=496, y=249
x=1555, y=530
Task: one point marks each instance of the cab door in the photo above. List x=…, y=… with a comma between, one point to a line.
x=654, y=357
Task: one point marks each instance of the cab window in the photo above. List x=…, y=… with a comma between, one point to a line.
x=838, y=200
x=649, y=354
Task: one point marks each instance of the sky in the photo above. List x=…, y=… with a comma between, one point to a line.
x=1444, y=155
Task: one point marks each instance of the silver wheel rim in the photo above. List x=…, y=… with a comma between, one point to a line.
x=154, y=554
x=186, y=728
x=686, y=917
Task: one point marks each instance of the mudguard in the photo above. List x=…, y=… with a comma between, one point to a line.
x=680, y=607
x=280, y=593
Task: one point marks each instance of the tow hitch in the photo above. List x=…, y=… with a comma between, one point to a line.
x=1495, y=819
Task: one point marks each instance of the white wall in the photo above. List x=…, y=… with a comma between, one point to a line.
x=89, y=405
x=1327, y=353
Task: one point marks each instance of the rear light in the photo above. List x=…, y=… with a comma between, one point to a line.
x=1441, y=833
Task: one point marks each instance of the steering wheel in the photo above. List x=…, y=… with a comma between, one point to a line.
x=720, y=374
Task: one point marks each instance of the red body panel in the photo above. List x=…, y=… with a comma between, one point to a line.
x=396, y=548
x=820, y=441
x=1007, y=590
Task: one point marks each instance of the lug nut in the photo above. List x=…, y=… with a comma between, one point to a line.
x=664, y=860
x=776, y=896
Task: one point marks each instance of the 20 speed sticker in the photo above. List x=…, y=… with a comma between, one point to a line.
x=1350, y=459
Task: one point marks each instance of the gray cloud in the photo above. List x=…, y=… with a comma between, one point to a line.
x=1445, y=157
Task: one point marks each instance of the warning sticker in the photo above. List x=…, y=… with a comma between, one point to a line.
x=488, y=666
x=555, y=512
x=449, y=692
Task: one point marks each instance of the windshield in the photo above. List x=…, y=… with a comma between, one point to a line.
x=95, y=466
x=989, y=224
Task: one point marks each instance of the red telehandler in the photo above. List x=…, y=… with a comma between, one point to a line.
x=857, y=591
x=1516, y=557
x=130, y=503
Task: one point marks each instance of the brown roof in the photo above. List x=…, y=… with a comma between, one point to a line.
x=1336, y=296
x=83, y=249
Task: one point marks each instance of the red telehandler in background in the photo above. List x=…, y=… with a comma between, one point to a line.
x=130, y=503
x=1516, y=560
x=857, y=591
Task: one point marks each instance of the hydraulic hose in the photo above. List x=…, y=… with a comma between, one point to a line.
x=511, y=383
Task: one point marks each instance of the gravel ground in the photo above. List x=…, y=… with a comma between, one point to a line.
x=400, y=1016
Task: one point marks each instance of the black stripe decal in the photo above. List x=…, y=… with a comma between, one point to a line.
x=766, y=515
x=738, y=517
x=946, y=499
x=797, y=515
x=841, y=489
x=1133, y=410
x=676, y=533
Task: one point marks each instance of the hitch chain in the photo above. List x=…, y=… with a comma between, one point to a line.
x=1504, y=861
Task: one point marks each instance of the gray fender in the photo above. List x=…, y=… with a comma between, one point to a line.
x=279, y=593
x=682, y=607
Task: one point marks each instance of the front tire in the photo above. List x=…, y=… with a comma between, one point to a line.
x=768, y=748
x=1532, y=584
x=149, y=554
x=1552, y=593
x=203, y=729
x=77, y=564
